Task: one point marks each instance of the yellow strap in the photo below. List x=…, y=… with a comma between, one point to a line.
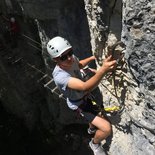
x=114, y=108
x=108, y=109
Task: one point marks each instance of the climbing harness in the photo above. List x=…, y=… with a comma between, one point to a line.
x=108, y=111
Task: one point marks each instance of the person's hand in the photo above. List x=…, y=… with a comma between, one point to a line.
x=93, y=57
x=108, y=64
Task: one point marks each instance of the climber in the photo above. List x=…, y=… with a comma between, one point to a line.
x=14, y=32
x=69, y=80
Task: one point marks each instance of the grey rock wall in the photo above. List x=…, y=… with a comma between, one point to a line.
x=138, y=35
x=98, y=20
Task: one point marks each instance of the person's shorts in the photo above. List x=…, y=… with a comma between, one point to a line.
x=88, y=110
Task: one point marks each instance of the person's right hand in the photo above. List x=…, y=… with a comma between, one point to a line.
x=109, y=64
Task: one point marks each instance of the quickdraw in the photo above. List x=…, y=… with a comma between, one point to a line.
x=121, y=107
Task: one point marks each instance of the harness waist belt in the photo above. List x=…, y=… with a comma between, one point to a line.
x=83, y=98
x=76, y=100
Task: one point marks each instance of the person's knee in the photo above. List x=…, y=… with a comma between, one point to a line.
x=106, y=128
x=103, y=125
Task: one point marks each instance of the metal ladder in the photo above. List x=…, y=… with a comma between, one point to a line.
x=49, y=84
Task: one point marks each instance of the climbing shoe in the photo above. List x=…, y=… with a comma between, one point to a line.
x=96, y=148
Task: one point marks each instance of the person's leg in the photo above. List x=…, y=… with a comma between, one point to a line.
x=96, y=120
x=103, y=129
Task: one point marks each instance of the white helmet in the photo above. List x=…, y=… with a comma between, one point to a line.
x=57, y=46
x=12, y=19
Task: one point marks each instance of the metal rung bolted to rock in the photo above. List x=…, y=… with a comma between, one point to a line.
x=16, y=61
x=54, y=89
x=45, y=85
x=42, y=78
x=61, y=96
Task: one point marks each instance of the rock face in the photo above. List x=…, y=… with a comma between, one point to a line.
x=89, y=25
x=138, y=35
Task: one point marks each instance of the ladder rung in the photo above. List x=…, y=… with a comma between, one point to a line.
x=54, y=89
x=61, y=96
x=17, y=60
x=42, y=78
x=45, y=85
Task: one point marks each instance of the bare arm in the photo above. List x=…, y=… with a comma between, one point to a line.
x=84, y=62
x=77, y=84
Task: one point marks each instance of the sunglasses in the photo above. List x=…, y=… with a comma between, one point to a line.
x=65, y=56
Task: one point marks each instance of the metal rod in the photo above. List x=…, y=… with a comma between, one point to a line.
x=32, y=66
x=30, y=39
x=45, y=85
x=34, y=46
x=17, y=60
x=42, y=78
x=54, y=89
x=59, y=95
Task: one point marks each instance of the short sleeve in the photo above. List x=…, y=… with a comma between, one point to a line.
x=61, y=79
